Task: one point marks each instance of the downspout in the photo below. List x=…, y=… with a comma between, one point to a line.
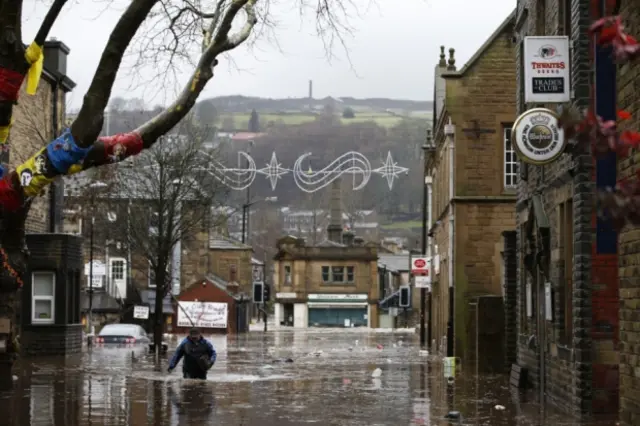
x=449, y=131
x=54, y=188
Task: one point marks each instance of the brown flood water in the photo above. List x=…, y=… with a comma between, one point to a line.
x=329, y=382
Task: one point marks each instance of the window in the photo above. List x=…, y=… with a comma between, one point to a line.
x=326, y=275
x=566, y=253
x=117, y=269
x=43, y=297
x=338, y=274
x=350, y=274
x=510, y=161
x=287, y=275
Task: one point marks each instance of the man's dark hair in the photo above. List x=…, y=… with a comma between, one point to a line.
x=194, y=332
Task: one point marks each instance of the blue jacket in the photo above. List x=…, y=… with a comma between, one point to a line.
x=192, y=353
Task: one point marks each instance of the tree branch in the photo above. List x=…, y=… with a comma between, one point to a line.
x=166, y=120
x=88, y=124
x=49, y=20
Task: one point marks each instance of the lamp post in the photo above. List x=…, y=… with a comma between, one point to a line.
x=245, y=215
x=94, y=186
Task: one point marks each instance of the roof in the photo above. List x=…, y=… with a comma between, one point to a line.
x=148, y=297
x=329, y=243
x=510, y=20
x=101, y=302
x=217, y=242
x=395, y=262
x=246, y=136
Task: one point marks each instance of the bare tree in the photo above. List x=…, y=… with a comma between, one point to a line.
x=79, y=148
x=171, y=193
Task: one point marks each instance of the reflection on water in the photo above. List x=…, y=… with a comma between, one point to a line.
x=329, y=382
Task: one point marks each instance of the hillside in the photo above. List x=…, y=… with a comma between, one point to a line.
x=233, y=112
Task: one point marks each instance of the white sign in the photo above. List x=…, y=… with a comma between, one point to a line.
x=338, y=296
x=99, y=268
x=546, y=70
x=436, y=264
x=286, y=296
x=537, y=138
x=202, y=314
x=97, y=282
x=141, y=312
x=422, y=281
x=420, y=266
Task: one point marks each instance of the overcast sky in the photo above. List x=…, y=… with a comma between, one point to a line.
x=393, y=49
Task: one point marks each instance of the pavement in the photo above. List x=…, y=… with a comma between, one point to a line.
x=284, y=378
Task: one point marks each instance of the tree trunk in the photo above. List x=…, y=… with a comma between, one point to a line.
x=158, y=329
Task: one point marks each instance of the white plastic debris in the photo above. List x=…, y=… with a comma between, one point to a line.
x=15, y=378
x=423, y=352
x=499, y=407
x=376, y=373
x=395, y=345
x=357, y=341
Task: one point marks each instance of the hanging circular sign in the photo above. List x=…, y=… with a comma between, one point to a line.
x=536, y=136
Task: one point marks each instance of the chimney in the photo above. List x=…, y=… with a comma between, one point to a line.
x=310, y=89
x=334, y=230
x=55, y=57
x=347, y=238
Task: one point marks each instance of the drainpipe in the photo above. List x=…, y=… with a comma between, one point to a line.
x=53, y=189
x=449, y=131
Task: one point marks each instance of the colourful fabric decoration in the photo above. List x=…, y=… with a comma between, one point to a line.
x=9, y=269
x=34, y=174
x=63, y=152
x=35, y=57
x=76, y=168
x=10, y=82
x=123, y=145
x=10, y=198
x=4, y=134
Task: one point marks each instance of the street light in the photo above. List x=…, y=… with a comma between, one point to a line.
x=94, y=186
x=245, y=208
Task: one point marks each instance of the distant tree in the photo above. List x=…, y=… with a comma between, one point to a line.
x=254, y=122
x=207, y=113
x=348, y=113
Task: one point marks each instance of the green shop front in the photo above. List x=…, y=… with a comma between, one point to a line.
x=338, y=310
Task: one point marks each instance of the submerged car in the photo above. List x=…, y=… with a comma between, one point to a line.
x=122, y=334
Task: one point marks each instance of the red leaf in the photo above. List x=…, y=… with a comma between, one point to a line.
x=607, y=35
x=629, y=137
x=624, y=115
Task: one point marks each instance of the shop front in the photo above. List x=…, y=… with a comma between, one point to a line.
x=338, y=310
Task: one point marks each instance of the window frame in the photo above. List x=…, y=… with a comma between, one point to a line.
x=117, y=260
x=51, y=299
x=509, y=178
x=328, y=274
x=287, y=275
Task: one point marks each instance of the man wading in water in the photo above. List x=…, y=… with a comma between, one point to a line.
x=199, y=356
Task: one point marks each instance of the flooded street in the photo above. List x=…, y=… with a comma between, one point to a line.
x=254, y=382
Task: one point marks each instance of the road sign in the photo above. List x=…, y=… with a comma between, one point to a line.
x=422, y=281
x=420, y=266
x=141, y=312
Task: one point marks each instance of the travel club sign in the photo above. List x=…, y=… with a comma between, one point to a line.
x=537, y=137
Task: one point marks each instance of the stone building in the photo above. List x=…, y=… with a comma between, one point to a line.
x=332, y=283
x=50, y=319
x=474, y=172
x=628, y=84
x=566, y=299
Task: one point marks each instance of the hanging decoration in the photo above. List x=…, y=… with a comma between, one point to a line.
x=352, y=164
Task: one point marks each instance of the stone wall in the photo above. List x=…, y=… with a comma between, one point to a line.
x=571, y=381
x=629, y=273
x=51, y=340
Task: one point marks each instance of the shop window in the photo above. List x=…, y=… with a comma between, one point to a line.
x=43, y=297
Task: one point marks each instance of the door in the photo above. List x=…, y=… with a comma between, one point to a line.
x=337, y=317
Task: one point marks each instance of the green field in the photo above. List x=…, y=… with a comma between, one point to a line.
x=403, y=225
x=241, y=120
